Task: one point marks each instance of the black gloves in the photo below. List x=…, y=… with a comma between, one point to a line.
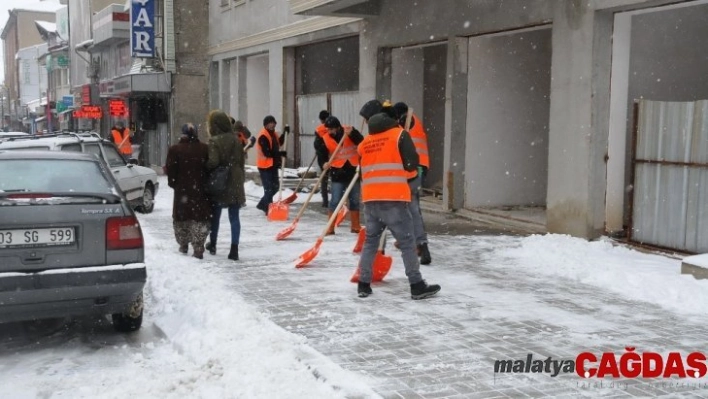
x=283, y=154
x=286, y=130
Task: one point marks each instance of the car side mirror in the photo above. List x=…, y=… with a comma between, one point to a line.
x=132, y=161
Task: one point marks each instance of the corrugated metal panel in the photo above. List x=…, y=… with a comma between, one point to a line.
x=670, y=200
x=308, y=110
x=346, y=106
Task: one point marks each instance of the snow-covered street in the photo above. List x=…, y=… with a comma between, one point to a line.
x=260, y=328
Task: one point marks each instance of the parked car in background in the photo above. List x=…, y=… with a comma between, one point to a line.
x=138, y=183
x=4, y=135
x=70, y=243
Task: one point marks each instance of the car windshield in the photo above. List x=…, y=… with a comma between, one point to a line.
x=52, y=175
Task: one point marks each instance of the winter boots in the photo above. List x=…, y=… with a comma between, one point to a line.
x=331, y=228
x=211, y=247
x=422, y=290
x=364, y=290
x=356, y=223
x=233, y=254
x=424, y=254
x=199, y=253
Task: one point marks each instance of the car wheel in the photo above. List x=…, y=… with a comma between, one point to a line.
x=148, y=201
x=132, y=319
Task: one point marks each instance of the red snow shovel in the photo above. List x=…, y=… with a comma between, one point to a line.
x=360, y=241
x=382, y=263
x=292, y=197
x=289, y=230
x=311, y=253
x=278, y=211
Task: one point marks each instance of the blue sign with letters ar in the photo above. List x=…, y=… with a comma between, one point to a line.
x=142, y=28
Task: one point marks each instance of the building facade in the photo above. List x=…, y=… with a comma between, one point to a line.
x=20, y=32
x=152, y=93
x=528, y=103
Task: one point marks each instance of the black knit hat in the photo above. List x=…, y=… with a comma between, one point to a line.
x=269, y=119
x=400, y=108
x=332, y=123
x=324, y=114
x=370, y=109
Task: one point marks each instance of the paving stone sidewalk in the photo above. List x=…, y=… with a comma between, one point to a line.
x=445, y=347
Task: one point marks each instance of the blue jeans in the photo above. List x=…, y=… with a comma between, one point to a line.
x=234, y=220
x=271, y=185
x=337, y=191
x=397, y=217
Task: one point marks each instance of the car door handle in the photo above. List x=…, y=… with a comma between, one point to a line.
x=116, y=171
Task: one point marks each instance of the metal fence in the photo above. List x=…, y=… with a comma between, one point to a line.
x=670, y=168
x=344, y=105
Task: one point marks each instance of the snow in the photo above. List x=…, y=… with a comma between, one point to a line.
x=697, y=260
x=632, y=274
x=202, y=339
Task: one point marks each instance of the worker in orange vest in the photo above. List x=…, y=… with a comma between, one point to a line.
x=388, y=161
x=268, y=150
x=121, y=135
x=342, y=168
x=243, y=135
x=420, y=140
x=322, y=155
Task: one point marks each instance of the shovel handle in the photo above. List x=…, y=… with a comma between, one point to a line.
x=305, y=174
x=341, y=203
x=319, y=181
x=282, y=168
x=382, y=240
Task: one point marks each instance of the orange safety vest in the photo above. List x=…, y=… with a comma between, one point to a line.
x=264, y=162
x=382, y=175
x=322, y=131
x=348, y=151
x=125, y=148
x=420, y=139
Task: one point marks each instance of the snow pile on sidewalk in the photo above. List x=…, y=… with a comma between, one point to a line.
x=638, y=276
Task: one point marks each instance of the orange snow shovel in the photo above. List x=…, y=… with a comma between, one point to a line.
x=360, y=241
x=311, y=253
x=292, y=197
x=341, y=215
x=382, y=263
x=289, y=230
x=278, y=211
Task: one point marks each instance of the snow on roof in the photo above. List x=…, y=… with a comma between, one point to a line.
x=47, y=5
x=47, y=26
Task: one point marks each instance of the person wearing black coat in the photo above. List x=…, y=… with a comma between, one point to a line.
x=186, y=172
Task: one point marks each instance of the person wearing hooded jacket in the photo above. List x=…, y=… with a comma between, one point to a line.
x=343, y=168
x=268, y=150
x=388, y=160
x=226, y=150
x=186, y=171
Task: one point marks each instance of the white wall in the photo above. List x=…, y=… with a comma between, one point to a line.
x=508, y=115
x=33, y=77
x=407, y=66
x=257, y=93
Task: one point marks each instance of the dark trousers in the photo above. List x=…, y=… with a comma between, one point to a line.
x=271, y=185
x=324, y=187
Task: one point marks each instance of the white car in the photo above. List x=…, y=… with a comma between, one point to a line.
x=139, y=184
x=4, y=135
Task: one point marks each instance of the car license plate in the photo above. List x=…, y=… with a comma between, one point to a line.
x=37, y=237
